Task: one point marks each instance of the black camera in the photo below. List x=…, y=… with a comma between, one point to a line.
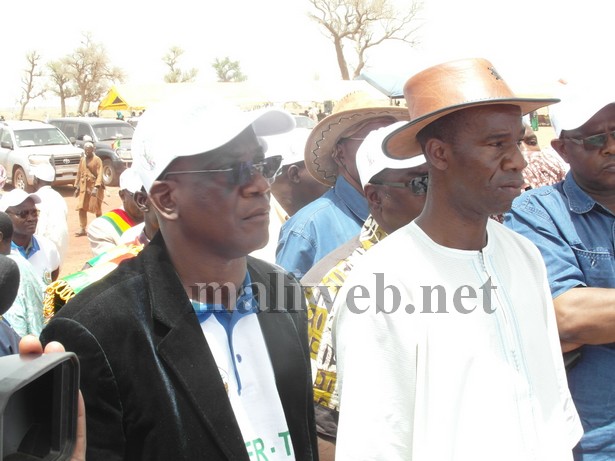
x=38, y=406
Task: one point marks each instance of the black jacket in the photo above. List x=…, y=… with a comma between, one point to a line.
x=151, y=385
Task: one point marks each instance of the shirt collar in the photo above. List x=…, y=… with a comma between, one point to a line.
x=579, y=201
x=354, y=200
x=246, y=304
x=29, y=250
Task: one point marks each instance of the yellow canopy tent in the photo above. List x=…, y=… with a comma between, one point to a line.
x=248, y=95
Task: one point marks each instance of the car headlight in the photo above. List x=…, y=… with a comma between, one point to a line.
x=124, y=154
x=39, y=159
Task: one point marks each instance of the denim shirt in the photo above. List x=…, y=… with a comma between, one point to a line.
x=320, y=227
x=575, y=235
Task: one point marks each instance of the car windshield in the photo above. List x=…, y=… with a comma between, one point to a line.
x=40, y=137
x=107, y=132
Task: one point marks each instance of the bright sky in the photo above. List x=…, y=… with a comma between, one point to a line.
x=530, y=42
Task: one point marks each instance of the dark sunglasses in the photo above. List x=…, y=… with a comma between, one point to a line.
x=597, y=141
x=417, y=185
x=241, y=173
x=23, y=214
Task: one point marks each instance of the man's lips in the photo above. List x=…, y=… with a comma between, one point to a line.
x=516, y=184
x=259, y=213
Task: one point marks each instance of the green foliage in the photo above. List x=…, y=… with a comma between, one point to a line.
x=228, y=71
x=176, y=75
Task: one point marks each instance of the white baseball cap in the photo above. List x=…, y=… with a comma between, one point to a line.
x=44, y=171
x=371, y=158
x=290, y=145
x=16, y=197
x=130, y=181
x=579, y=103
x=194, y=126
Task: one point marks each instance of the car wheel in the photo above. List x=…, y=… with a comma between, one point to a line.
x=110, y=176
x=20, y=181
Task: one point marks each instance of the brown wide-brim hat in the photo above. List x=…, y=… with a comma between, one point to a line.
x=440, y=90
x=323, y=138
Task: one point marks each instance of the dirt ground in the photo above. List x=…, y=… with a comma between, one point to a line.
x=79, y=247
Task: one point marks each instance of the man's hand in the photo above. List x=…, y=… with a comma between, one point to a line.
x=30, y=344
x=94, y=190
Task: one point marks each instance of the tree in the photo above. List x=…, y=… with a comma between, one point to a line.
x=363, y=24
x=176, y=75
x=91, y=72
x=59, y=74
x=228, y=71
x=31, y=74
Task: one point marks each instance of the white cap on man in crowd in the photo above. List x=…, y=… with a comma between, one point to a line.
x=44, y=171
x=290, y=145
x=130, y=181
x=197, y=126
x=579, y=102
x=371, y=158
x=16, y=197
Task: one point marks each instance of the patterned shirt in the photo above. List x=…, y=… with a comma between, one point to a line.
x=320, y=298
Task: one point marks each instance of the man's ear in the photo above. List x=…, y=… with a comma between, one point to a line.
x=162, y=197
x=559, y=146
x=437, y=153
x=140, y=199
x=374, y=196
x=293, y=174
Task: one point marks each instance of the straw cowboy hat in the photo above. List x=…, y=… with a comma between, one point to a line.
x=356, y=109
x=446, y=88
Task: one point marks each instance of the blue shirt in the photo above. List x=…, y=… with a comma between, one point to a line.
x=245, y=304
x=29, y=250
x=575, y=235
x=320, y=227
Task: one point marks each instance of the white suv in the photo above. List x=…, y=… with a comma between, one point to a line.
x=24, y=144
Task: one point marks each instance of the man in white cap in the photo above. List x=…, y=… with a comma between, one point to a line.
x=572, y=223
x=53, y=217
x=36, y=257
x=446, y=340
x=105, y=232
x=41, y=252
x=395, y=192
x=293, y=188
x=192, y=349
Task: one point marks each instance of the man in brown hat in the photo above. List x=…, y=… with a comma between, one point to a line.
x=446, y=338
x=337, y=216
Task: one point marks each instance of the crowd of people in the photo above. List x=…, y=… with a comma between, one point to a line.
x=398, y=283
